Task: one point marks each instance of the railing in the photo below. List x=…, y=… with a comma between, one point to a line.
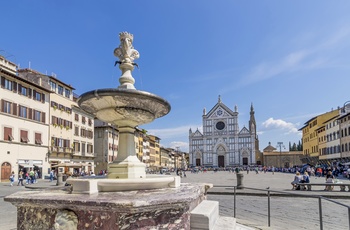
x=268, y=194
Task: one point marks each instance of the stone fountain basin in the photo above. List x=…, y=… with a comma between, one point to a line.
x=124, y=107
x=92, y=186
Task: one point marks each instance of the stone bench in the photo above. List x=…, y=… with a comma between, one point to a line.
x=206, y=216
x=328, y=186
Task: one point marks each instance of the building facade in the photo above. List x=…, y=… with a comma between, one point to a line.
x=222, y=143
x=105, y=144
x=24, y=122
x=313, y=137
x=281, y=159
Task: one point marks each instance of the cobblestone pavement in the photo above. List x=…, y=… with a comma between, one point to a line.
x=286, y=212
x=251, y=209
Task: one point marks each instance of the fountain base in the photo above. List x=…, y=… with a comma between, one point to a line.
x=140, y=209
x=91, y=186
x=129, y=168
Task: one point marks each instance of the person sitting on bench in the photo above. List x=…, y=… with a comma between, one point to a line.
x=297, y=179
x=306, y=178
x=329, y=179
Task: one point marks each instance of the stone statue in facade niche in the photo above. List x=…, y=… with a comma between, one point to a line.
x=126, y=52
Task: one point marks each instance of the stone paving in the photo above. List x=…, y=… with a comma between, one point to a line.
x=287, y=212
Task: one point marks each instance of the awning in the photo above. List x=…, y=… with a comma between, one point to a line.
x=26, y=165
x=38, y=165
x=70, y=165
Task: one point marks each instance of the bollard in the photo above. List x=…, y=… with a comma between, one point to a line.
x=239, y=180
x=59, y=179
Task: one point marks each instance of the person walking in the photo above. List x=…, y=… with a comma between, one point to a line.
x=20, y=178
x=51, y=176
x=12, y=178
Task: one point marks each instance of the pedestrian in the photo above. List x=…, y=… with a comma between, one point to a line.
x=27, y=178
x=20, y=178
x=35, y=176
x=51, y=176
x=12, y=178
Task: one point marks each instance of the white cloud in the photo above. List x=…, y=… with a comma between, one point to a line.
x=288, y=127
x=317, y=55
x=172, y=132
x=183, y=146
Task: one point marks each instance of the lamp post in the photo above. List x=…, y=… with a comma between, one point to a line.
x=280, y=145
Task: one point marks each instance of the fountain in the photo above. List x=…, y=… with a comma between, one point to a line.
x=126, y=108
x=127, y=198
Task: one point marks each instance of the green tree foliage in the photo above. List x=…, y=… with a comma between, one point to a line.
x=295, y=147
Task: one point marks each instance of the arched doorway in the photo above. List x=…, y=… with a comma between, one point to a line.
x=245, y=156
x=221, y=156
x=5, y=171
x=245, y=160
x=221, y=161
x=198, y=159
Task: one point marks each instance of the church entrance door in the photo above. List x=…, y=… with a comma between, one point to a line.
x=245, y=160
x=221, y=161
x=198, y=162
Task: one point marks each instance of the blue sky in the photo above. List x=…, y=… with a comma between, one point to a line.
x=291, y=59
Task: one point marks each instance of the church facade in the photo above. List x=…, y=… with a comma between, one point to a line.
x=222, y=143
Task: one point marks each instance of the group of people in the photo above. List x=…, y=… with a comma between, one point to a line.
x=298, y=178
x=305, y=178
x=29, y=177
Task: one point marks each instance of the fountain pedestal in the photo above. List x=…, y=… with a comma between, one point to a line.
x=140, y=209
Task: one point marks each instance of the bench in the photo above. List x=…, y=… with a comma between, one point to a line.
x=328, y=186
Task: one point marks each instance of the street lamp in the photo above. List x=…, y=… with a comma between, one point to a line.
x=280, y=145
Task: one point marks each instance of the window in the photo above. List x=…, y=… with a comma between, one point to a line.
x=6, y=106
x=8, y=134
x=76, y=117
x=83, y=132
x=8, y=84
x=67, y=93
x=76, y=131
x=37, y=115
x=83, y=148
x=23, y=111
x=83, y=119
x=23, y=90
x=53, y=86
x=60, y=90
x=24, y=136
x=89, y=148
x=37, y=96
x=38, y=140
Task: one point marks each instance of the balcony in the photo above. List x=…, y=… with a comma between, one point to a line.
x=57, y=149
